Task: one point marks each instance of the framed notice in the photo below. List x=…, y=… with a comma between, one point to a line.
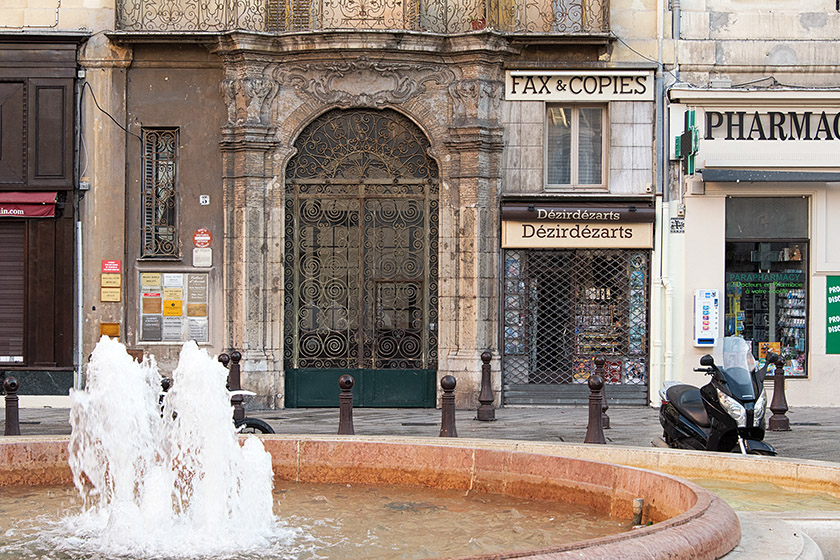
x=174, y=307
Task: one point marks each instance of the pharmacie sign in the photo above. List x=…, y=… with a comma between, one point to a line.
x=562, y=85
x=750, y=137
x=628, y=226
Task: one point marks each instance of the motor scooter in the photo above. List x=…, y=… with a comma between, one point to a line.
x=726, y=414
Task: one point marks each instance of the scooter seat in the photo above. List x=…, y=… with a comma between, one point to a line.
x=687, y=400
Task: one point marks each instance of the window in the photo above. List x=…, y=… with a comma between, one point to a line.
x=767, y=277
x=575, y=146
x=160, y=159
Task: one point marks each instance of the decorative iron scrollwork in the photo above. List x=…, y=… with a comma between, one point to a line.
x=160, y=162
x=361, y=244
x=435, y=16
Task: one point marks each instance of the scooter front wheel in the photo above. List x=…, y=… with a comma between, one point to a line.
x=760, y=452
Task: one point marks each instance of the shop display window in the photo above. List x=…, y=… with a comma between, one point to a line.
x=766, y=299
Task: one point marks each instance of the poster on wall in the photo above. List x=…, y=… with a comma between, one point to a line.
x=832, y=313
x=173, y=307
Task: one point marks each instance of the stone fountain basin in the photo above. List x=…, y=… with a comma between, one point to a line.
x=681, y=519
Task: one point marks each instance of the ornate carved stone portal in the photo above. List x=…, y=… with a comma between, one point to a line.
x=348, y=165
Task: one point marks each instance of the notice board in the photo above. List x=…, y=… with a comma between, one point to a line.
x=174, y=306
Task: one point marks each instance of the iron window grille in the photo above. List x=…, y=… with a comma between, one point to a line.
x=575, y=146
x=564, y=307
x=159, y=179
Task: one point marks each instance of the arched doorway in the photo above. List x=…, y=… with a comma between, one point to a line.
x=361, y=262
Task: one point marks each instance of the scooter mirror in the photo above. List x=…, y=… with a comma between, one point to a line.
x=707, y=360
x=772, y=357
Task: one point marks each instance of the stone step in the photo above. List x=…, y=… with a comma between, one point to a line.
x=764, y=536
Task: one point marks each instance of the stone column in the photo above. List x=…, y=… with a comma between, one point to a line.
x=103, y=166
x=253, y=202
x=475, y=140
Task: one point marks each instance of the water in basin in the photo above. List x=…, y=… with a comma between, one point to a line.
x=327, y=521
x=176, y=483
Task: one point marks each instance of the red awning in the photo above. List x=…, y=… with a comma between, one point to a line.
x=19, y=204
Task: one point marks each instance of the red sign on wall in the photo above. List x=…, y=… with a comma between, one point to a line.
x=202, y=238
x=111, y=266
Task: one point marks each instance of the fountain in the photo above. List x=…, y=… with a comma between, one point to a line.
x=186, y=485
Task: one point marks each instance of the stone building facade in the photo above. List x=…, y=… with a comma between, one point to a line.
x=756, y=212
x=332, y=198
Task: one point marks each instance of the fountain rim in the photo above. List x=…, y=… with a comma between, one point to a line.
x=707, y=528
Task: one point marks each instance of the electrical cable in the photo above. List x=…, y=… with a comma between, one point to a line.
x=95, y=102
x=623, y=42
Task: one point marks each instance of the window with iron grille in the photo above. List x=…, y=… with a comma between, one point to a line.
x=575, y=137
x=564, y=307
x=160, y=165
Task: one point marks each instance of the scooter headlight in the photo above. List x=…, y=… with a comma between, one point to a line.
x=732, y=407
x=760, y=407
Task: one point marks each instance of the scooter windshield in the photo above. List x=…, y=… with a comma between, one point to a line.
x=738, y=364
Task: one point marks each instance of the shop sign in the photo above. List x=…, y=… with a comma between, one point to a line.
x=757, y=137
x=579, y=86
x=27, y=204
x=832, y=309
x=577, y=226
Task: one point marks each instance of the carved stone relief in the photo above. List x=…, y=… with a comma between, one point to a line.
x=475, y=98
x=249, y=98
x=363, y=82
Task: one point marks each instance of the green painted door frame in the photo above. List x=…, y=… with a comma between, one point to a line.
x=394, y=388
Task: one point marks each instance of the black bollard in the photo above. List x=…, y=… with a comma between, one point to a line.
x=447, y=407
x=779, y=422
x=594, y=429
x=235, y=384
x=486, y=411
x=345, y=406
x=599, y=370
x=10, y=386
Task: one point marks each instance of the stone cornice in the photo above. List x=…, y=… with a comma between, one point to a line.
x=240, y=138
x=403, y=42
x=486, y=138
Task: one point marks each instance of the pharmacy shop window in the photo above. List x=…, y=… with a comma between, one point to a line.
x=767, y=279
x=575, y=146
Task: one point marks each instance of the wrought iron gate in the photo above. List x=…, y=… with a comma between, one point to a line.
x=361, y=262
x=564, y=307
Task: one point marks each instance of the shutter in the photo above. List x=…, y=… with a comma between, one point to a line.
x=12, y=282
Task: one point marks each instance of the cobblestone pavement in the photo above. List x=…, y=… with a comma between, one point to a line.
x=814, y=435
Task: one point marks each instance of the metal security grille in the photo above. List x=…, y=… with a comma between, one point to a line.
x=361, y=245
x=160, y=158
x=564, y=307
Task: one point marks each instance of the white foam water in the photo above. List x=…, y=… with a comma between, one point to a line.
x=170, y=485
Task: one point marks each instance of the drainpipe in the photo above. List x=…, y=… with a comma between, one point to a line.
x=667, y=285
x=77, y=378
x=676, y=21
x=77, y=374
